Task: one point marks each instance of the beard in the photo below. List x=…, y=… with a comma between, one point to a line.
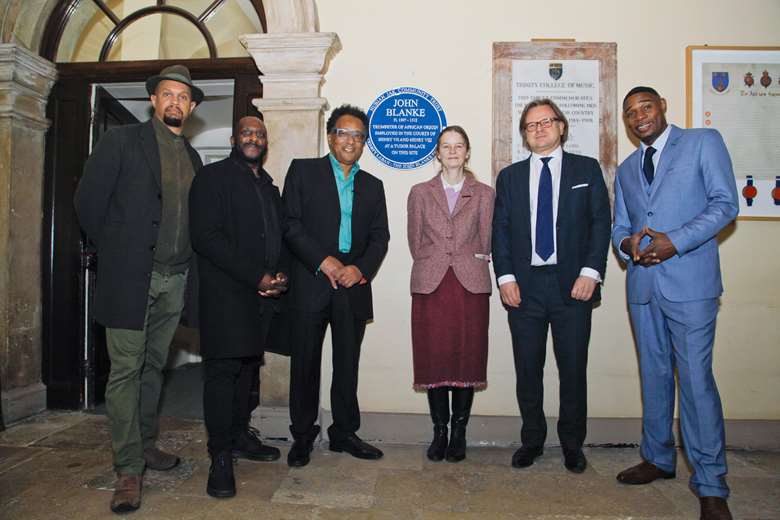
x=174, y=121
x=252, y=160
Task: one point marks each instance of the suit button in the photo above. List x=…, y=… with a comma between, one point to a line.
x=262, y=235
x=649, y=213
x=151, y=248
x=159, y=196
x=155, y=223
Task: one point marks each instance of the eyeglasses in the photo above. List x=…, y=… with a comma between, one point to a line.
x=542, y=123
x=343, y=134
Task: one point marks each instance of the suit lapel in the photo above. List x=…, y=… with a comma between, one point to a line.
x=565, y=184
x=667, y=155
x=466, y=194
x=151, y=151
x=436, y=189
x=523, y=193
x=330, y=189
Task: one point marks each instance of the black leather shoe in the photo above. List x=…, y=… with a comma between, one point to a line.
x=298, y=456
x=247, y=445
x=221, y=483
x=356, y=447
x=574, y=460
x=525, y=455
x=714, y=508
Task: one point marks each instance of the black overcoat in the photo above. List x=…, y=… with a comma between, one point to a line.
x=119, y=206
x=229, y=236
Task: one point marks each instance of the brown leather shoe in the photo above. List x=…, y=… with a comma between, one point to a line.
x=127, y=494
x=159, y=460
x=714, y=508
x=643, y=473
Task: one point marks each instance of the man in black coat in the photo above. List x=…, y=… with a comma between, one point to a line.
x=235, y=222
x=551, y=229
x=336, y=229
x=132, y=204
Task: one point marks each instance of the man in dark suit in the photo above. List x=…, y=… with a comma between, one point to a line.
x=336, y=229
x=673, y=196
x=550, y=238
x=235, y=223
x=132, y=204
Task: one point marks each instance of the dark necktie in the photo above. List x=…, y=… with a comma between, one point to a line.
x=544, y=213
x=648, y=166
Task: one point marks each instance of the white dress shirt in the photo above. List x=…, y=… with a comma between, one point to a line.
x=535, y=172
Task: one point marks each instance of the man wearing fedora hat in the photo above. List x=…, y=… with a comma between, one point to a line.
x=132, y=203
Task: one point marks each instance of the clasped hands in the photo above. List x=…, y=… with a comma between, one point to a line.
x=659, y=249
x=272, y=286
x=340, y=274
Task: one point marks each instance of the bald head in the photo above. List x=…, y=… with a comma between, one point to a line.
x=251, y=139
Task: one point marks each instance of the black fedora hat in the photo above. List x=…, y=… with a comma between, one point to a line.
x=178, y=73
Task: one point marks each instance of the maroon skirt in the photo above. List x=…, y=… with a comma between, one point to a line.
x=450, y=336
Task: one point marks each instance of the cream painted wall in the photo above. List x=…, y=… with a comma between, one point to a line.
x=445, y=48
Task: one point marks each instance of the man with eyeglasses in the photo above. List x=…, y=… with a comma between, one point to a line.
x=551, y=229
x=673, y=195
x=236, y=228
x=336, y=229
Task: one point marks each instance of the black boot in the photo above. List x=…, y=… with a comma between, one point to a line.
x=461, y=410
x=221, y=482
x=439, y=403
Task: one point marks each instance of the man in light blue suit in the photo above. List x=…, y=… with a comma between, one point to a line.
x=672, y=197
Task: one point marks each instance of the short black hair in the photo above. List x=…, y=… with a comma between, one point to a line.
x=639, y=89
x=346, y=110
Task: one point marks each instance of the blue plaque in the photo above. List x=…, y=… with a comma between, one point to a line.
x=403, y=126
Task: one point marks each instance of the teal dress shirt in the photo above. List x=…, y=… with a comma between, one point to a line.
x=345, y=188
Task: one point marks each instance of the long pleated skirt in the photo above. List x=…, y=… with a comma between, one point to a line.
x=450, y=336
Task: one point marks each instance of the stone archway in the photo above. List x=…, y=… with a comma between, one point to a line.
x=293, y=57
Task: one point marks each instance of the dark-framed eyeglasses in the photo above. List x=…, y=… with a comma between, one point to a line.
x=342, y=134
x=542, y=123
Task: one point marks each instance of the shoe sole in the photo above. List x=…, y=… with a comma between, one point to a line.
x=521, y=466
x=163, y=468
x=298, y=463
x=220, y=494
x=643, y=482
x=123, y=509
x=259, y=458
x=356, y=455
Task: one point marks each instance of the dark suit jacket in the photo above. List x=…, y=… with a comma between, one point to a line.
x=313, y=216
x=119, y=206
x=582, y=227
x=232, y=239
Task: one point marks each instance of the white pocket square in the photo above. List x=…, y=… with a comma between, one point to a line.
x=580, y=186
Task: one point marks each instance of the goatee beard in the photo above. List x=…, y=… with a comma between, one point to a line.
x=252, y=160
x=172, y=121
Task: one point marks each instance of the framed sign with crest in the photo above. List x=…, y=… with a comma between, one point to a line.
x=580, y=77
x=736, y=90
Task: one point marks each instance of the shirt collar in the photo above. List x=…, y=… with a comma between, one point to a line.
x=555, y=154
x=659, y=142
x=338, y=172
x=456, y=187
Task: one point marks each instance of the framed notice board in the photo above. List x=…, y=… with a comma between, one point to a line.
x=736, y=90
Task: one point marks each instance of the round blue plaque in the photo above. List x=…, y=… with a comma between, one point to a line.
x=403, y=125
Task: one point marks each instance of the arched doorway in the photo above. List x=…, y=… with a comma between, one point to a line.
x=102, y=48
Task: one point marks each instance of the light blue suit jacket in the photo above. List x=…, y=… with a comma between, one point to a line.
x=693, y=196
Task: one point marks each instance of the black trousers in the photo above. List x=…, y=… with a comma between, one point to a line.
x=305, y=362
x=542, y=306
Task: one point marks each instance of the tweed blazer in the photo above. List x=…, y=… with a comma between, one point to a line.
x=439, y=240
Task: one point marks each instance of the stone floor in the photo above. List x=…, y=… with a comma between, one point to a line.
x=58, y=466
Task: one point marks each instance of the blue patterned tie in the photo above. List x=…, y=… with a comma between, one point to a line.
x=544, y=213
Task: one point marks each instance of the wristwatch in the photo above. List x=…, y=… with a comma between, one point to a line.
x=749, y=191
